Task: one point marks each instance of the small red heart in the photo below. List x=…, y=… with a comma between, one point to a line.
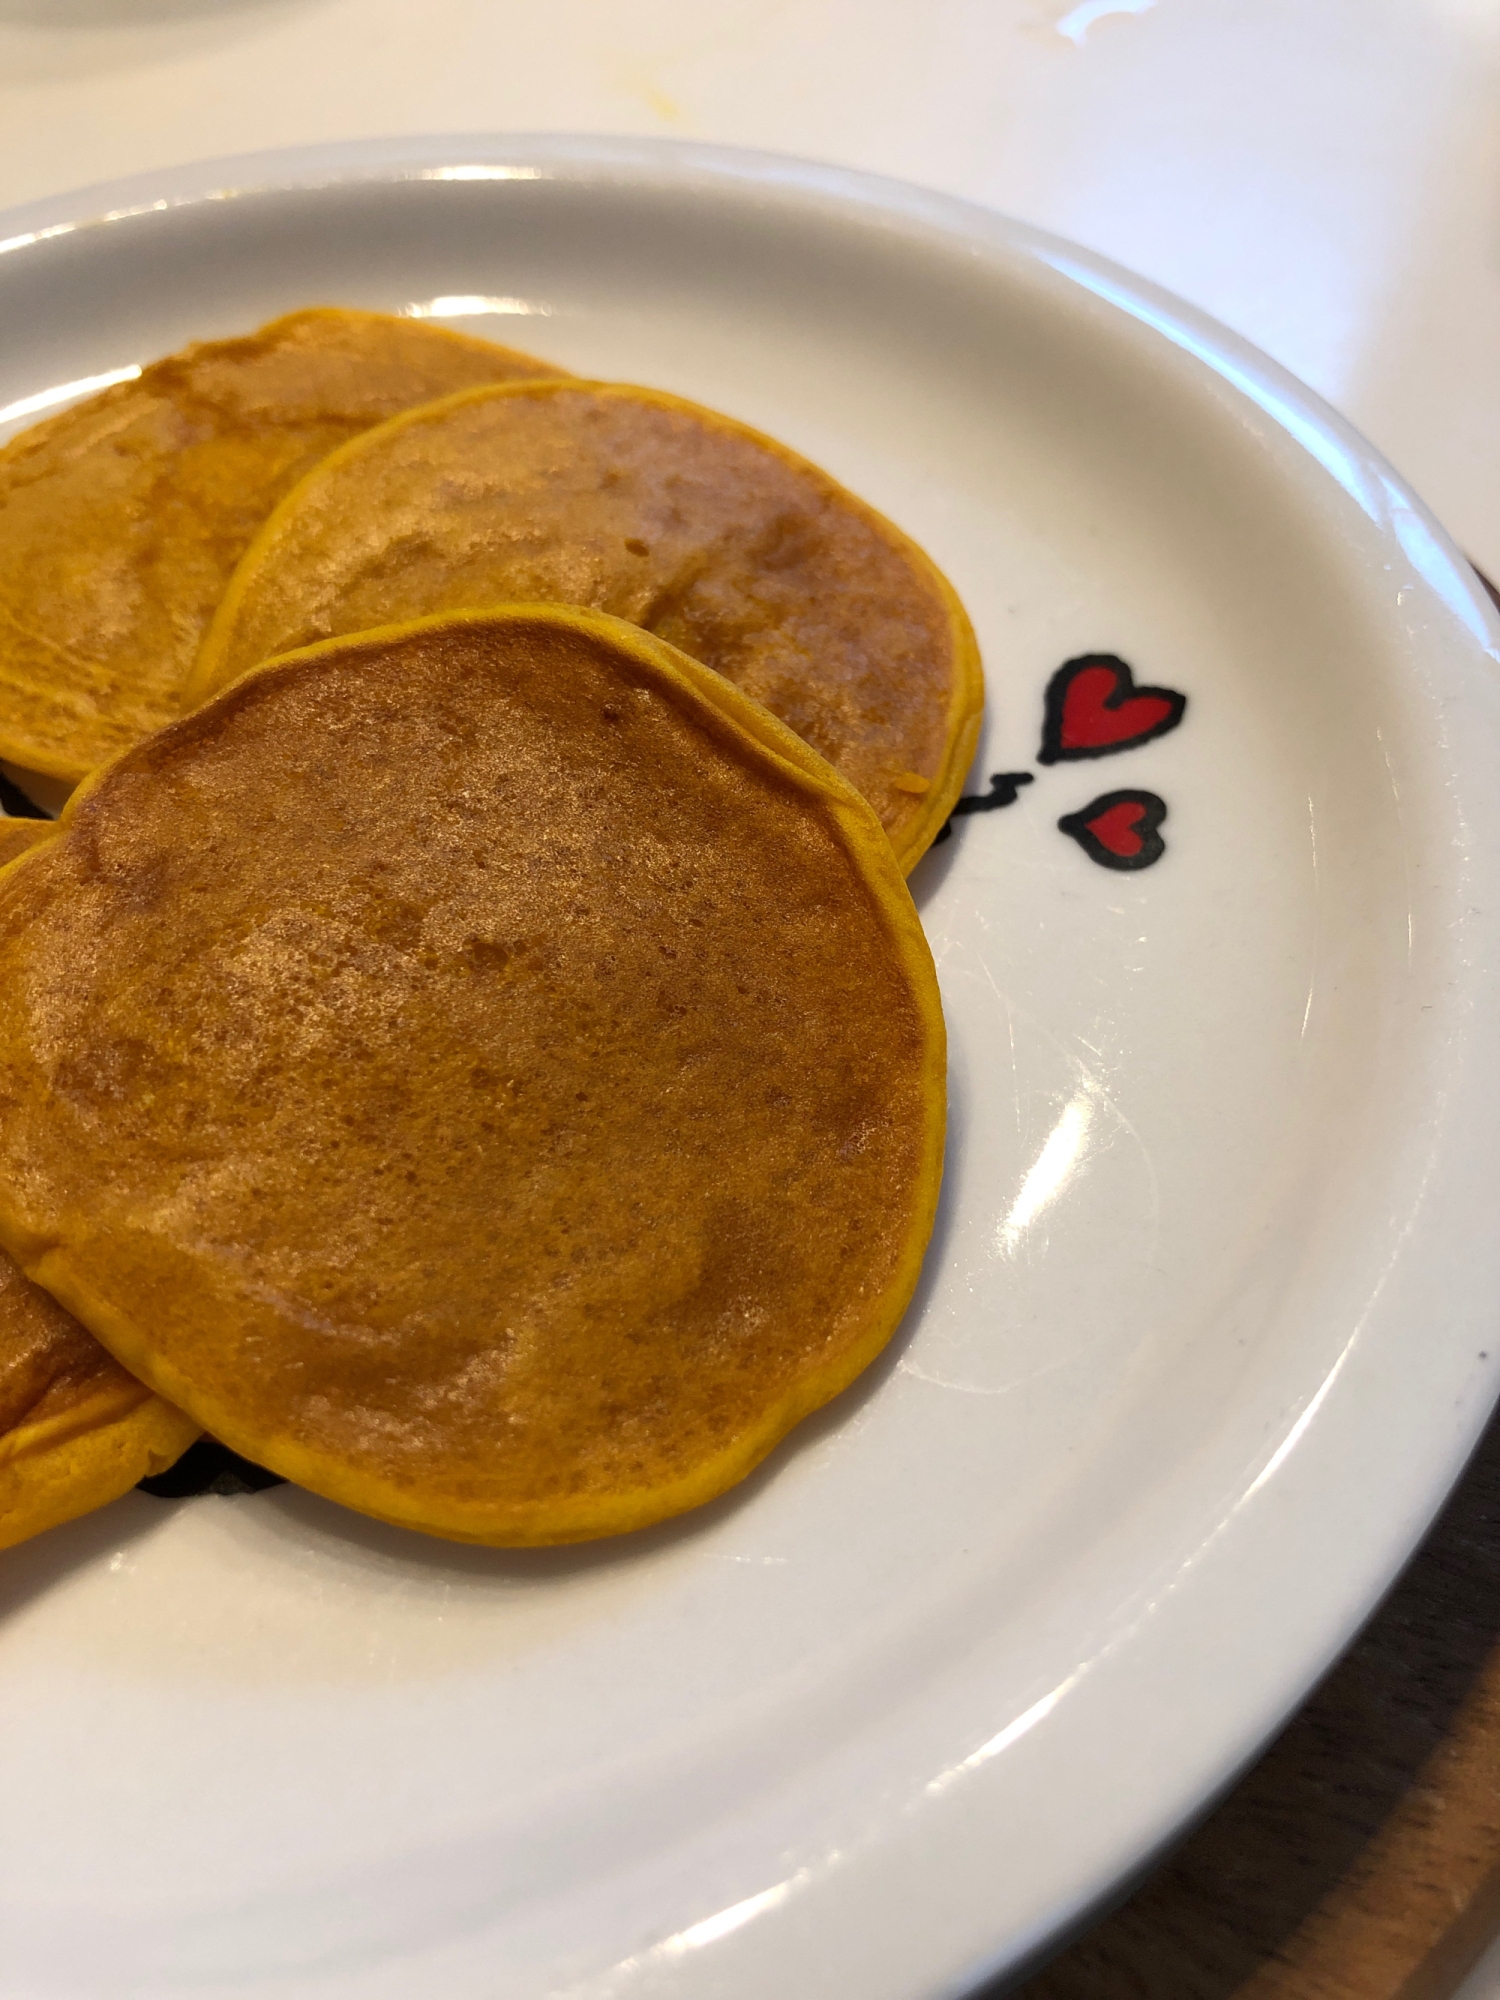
x=1119, y=830
x=1093, y=708
x=1116, y=829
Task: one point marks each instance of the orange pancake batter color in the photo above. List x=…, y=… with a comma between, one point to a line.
x=121, y=519
x=632, y=501
x=75, y=1429
x=504, y=1067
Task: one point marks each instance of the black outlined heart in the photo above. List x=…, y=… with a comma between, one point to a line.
x=1093, y=708
x=1119, y=829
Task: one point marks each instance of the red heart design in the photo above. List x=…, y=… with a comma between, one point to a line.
x=1116, y=828
x=1119, y=830
x=1093, y=708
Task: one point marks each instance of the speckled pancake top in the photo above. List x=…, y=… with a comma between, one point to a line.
x=76, y=1429
x=122, y=518
x=490, y=1072
x=634, y=502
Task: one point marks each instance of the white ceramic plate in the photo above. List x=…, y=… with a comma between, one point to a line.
x=1206, y=1326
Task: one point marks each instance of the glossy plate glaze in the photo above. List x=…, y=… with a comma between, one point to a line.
x=1206, y=1329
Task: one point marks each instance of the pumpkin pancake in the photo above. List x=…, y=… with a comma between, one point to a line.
x=75, y=1429
x=17, y=835
x=634, y=502
x=122, y=518
x=504, y=1064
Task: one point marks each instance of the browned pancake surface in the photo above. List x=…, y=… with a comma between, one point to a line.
x=122, y=519
x=504, y=1066
x=76, y=1429
x=17, y=835
x=637, y=503
x=52, y=1368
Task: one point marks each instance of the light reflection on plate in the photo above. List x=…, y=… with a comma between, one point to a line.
x=1205, y=1330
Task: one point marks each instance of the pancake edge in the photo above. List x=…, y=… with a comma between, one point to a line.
x=67, y=1465
x=45, y=1480
x=965, y=711
x=47, y=764
x=50, y=1261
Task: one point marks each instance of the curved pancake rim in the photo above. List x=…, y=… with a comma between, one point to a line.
x=25, y=751
x=47, y=1259
x=965, y=709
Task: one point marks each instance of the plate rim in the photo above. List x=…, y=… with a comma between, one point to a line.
x=973, y=1809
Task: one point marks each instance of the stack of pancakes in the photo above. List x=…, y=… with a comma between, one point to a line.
x=467, y=1043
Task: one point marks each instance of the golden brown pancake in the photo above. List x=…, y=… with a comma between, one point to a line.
x=75, y=1429
x=122, y=518
x=717, y=539
x=489, y=1071
x=17, y=835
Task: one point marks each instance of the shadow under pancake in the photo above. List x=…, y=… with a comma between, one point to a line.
x=210, y=1468
x=298, y=1511
x=216, y=1473
x=932, y=871
x=32, y=1568
x=1004, y=788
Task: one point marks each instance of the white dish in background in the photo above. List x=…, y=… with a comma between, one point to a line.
x=1205, y=1329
